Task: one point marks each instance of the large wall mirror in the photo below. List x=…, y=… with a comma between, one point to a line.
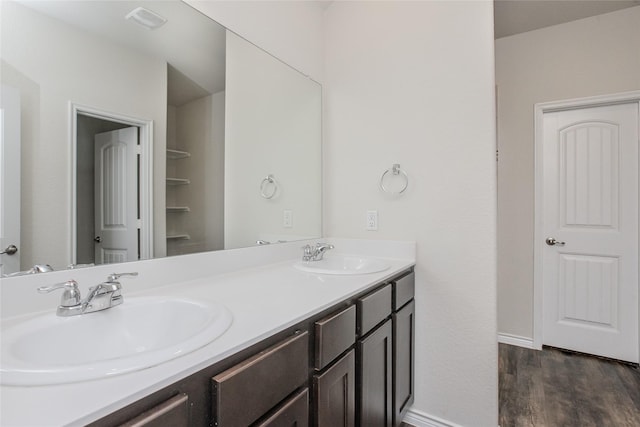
x=145, y=129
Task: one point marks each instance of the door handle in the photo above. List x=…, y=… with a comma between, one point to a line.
x=97, y=239
x=553, y=242
x=9, y=250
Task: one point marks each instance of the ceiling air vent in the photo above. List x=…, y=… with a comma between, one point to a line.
x=147, y=18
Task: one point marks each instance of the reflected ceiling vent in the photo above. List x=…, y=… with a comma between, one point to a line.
x=146, y=18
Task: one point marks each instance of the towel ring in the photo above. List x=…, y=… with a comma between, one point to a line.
x=395, y=170
x=264, y=185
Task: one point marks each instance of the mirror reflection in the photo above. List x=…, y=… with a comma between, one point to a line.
x=145, y=129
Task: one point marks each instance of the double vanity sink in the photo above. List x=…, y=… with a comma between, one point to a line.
x=165, y=333
x=144, y=332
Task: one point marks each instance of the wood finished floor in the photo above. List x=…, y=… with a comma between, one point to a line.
x=553, y=388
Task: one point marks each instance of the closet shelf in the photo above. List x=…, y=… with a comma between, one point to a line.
x=177, y=154
x=178, y=181
x=178, y=209
x=179, y=237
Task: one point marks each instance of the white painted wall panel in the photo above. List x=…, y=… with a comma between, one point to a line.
x=413, y=83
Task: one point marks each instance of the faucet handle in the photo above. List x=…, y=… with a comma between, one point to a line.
x=115, y=276
x=70, y=296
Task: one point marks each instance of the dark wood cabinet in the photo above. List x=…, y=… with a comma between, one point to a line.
x=335, y=394
x=294, y=412
x=373, y=309
x=375, y=377
x=261, y=382
x=173, y=412
x=403, y=360
x=334, y=335
x=385, y=366
x=404, y=322
x=350, y=365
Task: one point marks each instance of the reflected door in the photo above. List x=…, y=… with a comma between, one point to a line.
x=116, y=196
x=9, y=179
x=590, y=260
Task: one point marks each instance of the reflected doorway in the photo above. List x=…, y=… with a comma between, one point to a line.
x=111, y=182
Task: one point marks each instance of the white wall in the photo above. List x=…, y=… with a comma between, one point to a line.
x=214, y=177
x=54, y=64
x=272, y=127
x=289, y=30
x=588, y=57
x=413, y=83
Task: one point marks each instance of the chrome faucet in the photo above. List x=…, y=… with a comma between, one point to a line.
x=315, y=253
x=105, y=295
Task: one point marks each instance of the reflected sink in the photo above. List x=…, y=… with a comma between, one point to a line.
x=140, y=333
x=336, y=264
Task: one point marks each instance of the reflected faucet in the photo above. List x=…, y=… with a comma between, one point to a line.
x=38, y=268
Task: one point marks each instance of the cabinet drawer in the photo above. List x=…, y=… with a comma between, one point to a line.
x=293, y=412
x=173, y=412
x=373, y=308
x=334, y=334
x=247, y=391
x=403, y=291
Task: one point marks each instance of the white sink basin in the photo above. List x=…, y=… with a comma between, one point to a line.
x=140, y=333
x=336, y=264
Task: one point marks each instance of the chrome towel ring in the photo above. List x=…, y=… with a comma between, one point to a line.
x=268, y=187
x=395, y=170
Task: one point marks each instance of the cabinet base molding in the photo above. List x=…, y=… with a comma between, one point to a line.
x=421, y=419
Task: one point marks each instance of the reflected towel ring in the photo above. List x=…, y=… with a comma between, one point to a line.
x=395, y=170
x=264, y=185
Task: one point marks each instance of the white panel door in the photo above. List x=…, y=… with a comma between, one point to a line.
x=116, y=196
x=590, y=273
x=9, y=179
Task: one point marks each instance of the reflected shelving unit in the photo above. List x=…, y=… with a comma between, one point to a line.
x=177, y=154
x=173, y=223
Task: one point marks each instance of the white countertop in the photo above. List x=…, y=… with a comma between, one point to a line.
x=263, y=299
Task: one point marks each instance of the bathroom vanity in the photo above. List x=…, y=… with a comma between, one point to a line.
x=317, y=349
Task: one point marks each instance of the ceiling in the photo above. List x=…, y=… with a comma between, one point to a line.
x=189, y=42
x=519, y=16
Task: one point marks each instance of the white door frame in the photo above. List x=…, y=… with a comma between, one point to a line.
x=538, y=236
x=10, y=177
x=146, y=173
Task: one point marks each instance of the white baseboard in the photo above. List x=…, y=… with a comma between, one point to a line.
x=516, y=340
x=421, y=419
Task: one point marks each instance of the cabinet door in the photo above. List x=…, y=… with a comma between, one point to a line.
x=294, y=412
x=375, y=376
x=403, y=361
x=173, y=412
x=334, y=392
